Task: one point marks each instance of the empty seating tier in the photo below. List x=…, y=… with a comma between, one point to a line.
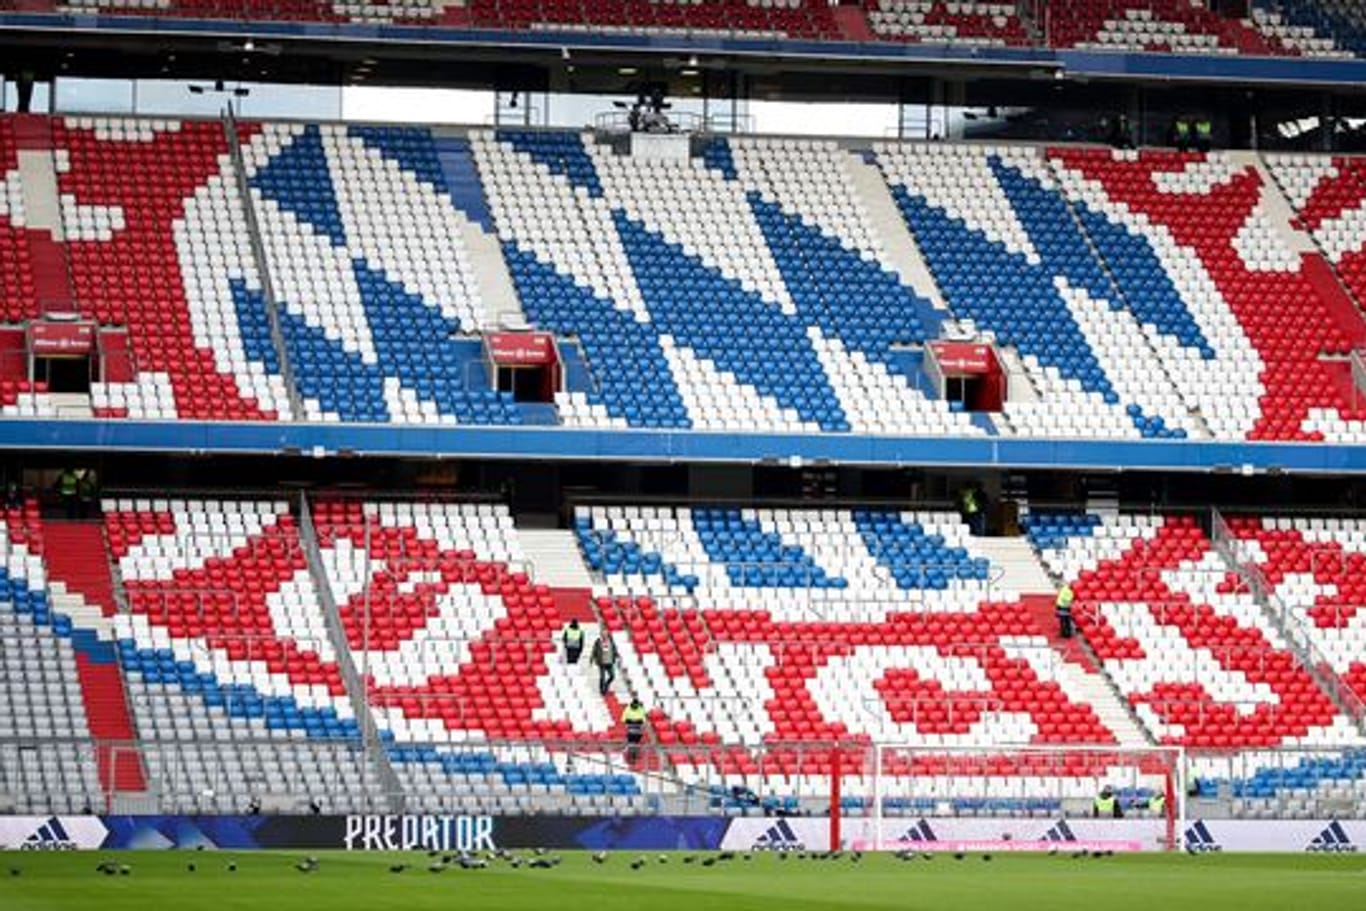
x=158, y=243
x=463, y=673
x=765, y=633
x=755, y=285
x=946, y=22
x=1166, y=26
x=228, y=658
x=1183, y=637
x=1315, y=569
x=48, y=760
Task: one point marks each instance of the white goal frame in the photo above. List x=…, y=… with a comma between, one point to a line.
x=1156, y=767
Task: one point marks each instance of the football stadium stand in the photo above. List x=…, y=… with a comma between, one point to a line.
x=232, y=678
x=157, y=244
x=363, y=416
x=362, y=654
x=475, y=701
x=275, y=278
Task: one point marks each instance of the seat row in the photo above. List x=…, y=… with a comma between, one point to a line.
x=1297, y=29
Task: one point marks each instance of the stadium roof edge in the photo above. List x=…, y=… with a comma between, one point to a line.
x=829, y=55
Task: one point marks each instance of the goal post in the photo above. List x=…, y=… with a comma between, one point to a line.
x=1015, y=798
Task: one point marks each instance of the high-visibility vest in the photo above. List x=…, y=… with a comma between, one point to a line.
x=634, y=719
x=573, y=636
x=1105, y=806
x=1065, y=598
x=970, y=501
x=1203, y=128
x=1183, y=128
x=1157, y=803
x=68, y=484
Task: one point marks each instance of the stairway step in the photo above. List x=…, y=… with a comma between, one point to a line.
x=77, y=556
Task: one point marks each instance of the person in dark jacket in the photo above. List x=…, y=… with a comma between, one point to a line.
x=604, y=657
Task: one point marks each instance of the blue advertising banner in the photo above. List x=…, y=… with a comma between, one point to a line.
x=374, y=832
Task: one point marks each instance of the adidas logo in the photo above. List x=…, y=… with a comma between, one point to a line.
x=921, y=831
x=1060, y=832
x=50, y=836
x=1333, y=839
x=779, y=837
x=1199, y=840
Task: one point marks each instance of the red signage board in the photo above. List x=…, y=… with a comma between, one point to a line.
x=56, y=339
x=521, y=349
x=960, y=358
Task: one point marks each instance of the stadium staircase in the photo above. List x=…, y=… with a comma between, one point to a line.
x=902, y=251
x=38, y=179
x=346, y=665
x=76, y=559
x=555, y=561
x=466, y=190
x=235, y=137
x=82, y=589
x=1083, y=674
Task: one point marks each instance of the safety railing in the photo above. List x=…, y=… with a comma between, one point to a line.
x=1292, y=620
x=252, y=774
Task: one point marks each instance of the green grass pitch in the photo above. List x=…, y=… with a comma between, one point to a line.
x=161, y=881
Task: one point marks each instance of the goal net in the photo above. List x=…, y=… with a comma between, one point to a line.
x=1017, y=799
